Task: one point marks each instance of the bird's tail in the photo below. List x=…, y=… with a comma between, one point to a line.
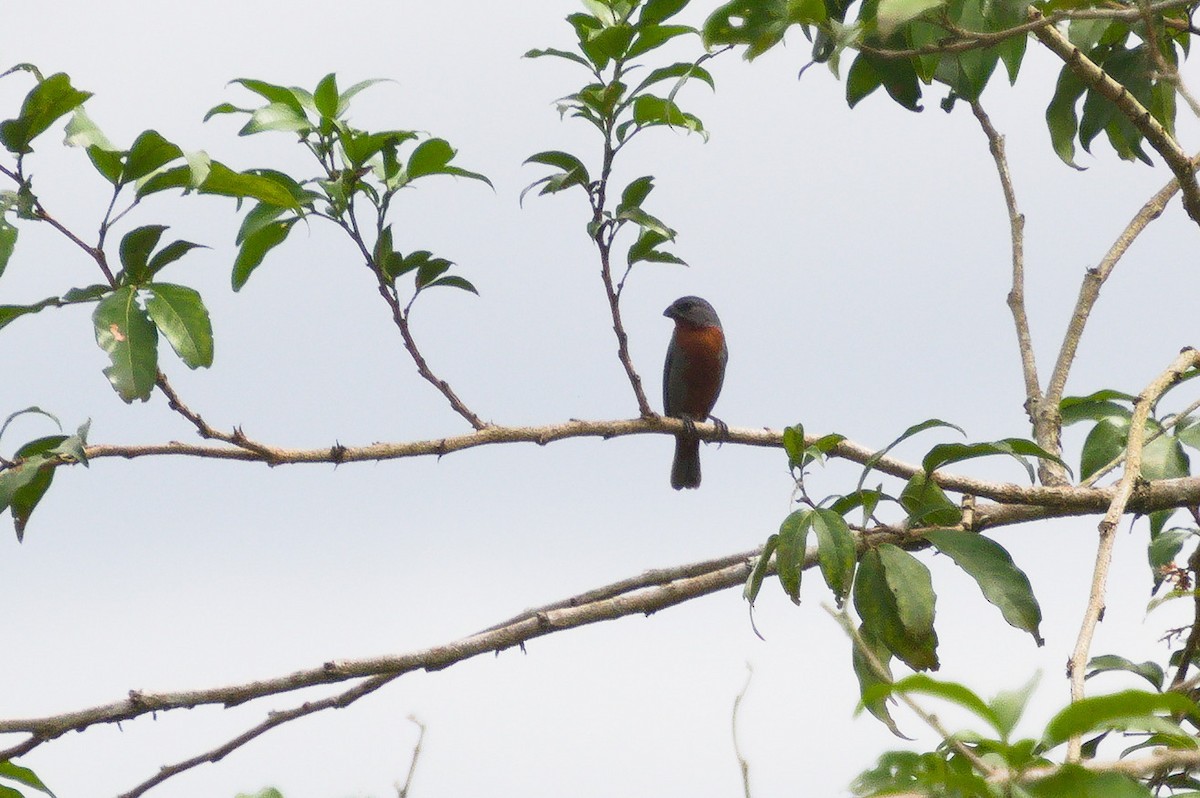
x=685, y=471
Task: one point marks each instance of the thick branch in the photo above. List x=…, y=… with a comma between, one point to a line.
x=1077, y=665
x=1098, y=80
x=1054, y=500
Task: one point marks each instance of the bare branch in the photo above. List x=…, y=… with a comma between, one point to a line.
x=928, y=718
x=1077, y=666
x=1100, y=81
x=1161, y=760
x=273, y=720
x=1046, y=435
x=1093, y=280
x=402, y=789
x=1047, y=500
x=236, y=438
x=743, y=764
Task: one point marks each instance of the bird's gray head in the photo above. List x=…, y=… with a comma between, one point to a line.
x=694, y=311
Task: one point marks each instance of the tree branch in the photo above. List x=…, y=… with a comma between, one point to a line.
x=975, y=40
x=1045, y=434
x=1098, y=80
x=1077, y=666
x=1089, y=290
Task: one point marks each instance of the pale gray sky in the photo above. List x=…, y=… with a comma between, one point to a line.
x=858, y=259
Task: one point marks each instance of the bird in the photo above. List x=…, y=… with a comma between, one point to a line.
x=692, y=378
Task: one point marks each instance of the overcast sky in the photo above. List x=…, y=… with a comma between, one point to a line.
x=858, y=259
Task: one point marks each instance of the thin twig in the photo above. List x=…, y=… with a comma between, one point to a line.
x=273, y=720
x=236, y=438
x=1101, y=82
x=930, y=720
x=1166, y=427
x=1089, y=292
x=743, y=763
x=1193, y=642
x=1046, y=435
x=402, y=789
x=1188, y=359
x=400, y=318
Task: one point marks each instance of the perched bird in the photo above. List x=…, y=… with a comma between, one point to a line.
x=692, y=378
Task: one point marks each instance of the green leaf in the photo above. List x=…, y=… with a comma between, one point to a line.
x=647, y=222
x=891, y=14
x=1003, y=584
x=793, y=441
x=150, y=151
x=550, y=51
x=635, y=193
x=759, y=571
x=564, y=161
x=932, y=423
x=1150, y=671
x=256, y=245
x=272, y=93
x=49, y=100
x=1104, y=443
x=1099, y=406
x=646, y=249
x=429, y=158
x=681, y=72
x=1164, y=458
x=651, y=37
x=454, y=281
x=9, y=313
x=31, y=410
x=955, y=693
x=136, y=247
x=88, y=293
x=26, y=498
x=869, y=678
x=1099, y=712
x=1061, y=118
x=180, y=315
x=1163, y=549
x=1017, y=448
x=265, y=187
x=8, y=241
x=790, y=550
x=276, y=118
x=758, y=24
x=893, y=595
x=429, y=270
x=836, y=551
x=81, y=131
x=1009, y=705
x=325, y=98
x=649, y=111
x=656, y=11
x=22, y=775
x=168, y=255
x=862, y=79
x=926, y=503
x=125, y=332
